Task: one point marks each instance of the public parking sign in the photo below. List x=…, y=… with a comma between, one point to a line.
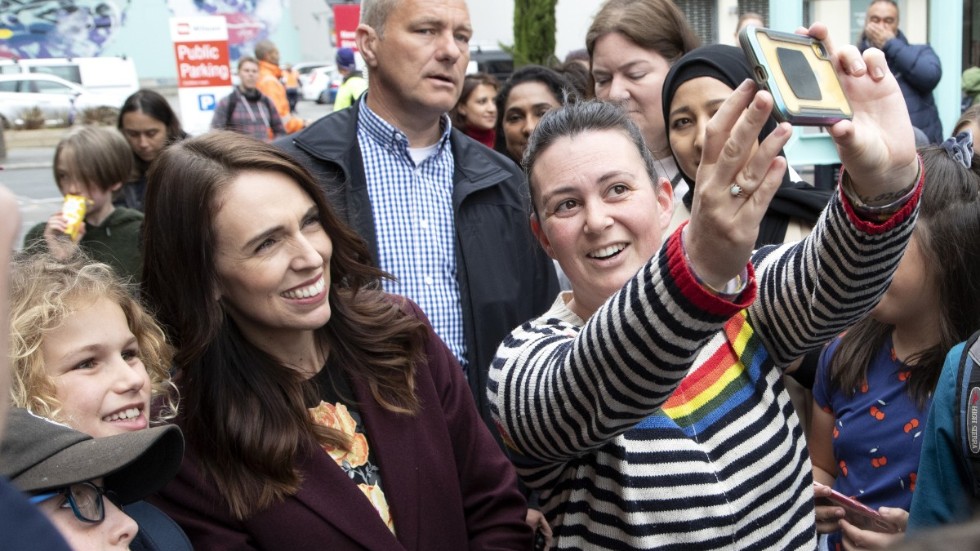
x=203, y=68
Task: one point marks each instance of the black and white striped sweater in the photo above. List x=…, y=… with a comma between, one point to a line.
x=662, y=422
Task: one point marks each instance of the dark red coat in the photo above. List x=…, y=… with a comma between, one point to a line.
x=448, y=485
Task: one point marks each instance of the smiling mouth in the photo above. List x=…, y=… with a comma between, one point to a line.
x=610, y=251
x=124, y=415
x=306, y=291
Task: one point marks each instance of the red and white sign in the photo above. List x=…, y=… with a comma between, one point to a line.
x=202, y=64
x=203, y=68
x=345, y=20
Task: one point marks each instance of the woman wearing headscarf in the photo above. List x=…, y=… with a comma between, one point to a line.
x=694, y=89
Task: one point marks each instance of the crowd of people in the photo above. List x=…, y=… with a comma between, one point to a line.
x=590, y=306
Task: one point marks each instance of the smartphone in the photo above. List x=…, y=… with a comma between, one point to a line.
x=857, y=513
x=540, y=541
x=798, y=72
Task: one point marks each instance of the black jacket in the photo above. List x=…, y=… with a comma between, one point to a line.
x=504, y=276
x=918, y=70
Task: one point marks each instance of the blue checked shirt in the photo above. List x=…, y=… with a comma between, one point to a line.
x=413, y=221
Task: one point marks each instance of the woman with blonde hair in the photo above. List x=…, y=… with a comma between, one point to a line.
x=85, y=353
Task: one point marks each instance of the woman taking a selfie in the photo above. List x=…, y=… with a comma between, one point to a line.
x=318, y=410
x=647, y=406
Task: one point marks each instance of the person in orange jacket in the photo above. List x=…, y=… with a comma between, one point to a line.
x=271, y=85
x=290, y=77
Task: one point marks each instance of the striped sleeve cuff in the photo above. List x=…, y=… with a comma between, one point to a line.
x=872, y=227
x=700, y=297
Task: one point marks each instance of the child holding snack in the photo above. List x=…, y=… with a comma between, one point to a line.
x=84, y=352
x=875, y=382
x=90, y=164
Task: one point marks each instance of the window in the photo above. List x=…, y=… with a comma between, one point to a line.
x=67, y=72
x=48, y=87
x=702, y=18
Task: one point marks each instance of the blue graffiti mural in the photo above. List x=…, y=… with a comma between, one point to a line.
x=82, y=28
x=65, y=28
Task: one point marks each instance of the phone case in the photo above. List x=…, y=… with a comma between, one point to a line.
x=799, y=74
x=859, y=514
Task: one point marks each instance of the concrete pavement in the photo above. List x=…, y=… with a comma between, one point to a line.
x=30, y=148
x=28, y=157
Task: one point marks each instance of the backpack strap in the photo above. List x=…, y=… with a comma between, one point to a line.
x=968, y=411
x=232, y=101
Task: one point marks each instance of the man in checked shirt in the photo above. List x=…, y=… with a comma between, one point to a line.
x=446, y=216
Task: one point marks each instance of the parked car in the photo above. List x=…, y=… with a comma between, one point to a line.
x=498, y=63
x=110, y=74
x=322, y=84
x=58, y=99
x=316, y=79
x=304, y=67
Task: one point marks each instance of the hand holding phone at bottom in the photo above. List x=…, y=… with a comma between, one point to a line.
x=856, y=538
x=828, y=515
x=830, y=502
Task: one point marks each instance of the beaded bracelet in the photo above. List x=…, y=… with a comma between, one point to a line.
x=730, y=291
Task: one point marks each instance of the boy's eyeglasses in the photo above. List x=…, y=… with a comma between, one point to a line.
x=85, y=499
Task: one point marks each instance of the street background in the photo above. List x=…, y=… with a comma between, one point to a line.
x=27, y=170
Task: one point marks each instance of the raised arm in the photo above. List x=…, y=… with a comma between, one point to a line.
x=559, y=392
x=837, y=274
x=876, y=147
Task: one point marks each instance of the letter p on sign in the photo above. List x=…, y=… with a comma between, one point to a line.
x=206, y=102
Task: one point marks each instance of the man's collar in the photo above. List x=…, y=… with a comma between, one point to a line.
x=388, y=136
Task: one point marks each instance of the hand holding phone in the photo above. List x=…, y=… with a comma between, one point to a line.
x=799, y=74
x=855, y=512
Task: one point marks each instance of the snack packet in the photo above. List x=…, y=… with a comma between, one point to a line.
x=74, y=213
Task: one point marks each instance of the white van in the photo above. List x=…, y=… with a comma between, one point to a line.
x=103, y=75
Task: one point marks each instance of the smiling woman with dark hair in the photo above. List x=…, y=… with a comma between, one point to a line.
x=318, y=409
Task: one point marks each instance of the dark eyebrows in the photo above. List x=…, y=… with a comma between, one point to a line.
x=686, y=109
x=629, y=65
x=614, y=174
x=312, y=211
x=533, y=108
x=681, y=109
x=611, y=175
x=253, y=242
x=546, y=198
